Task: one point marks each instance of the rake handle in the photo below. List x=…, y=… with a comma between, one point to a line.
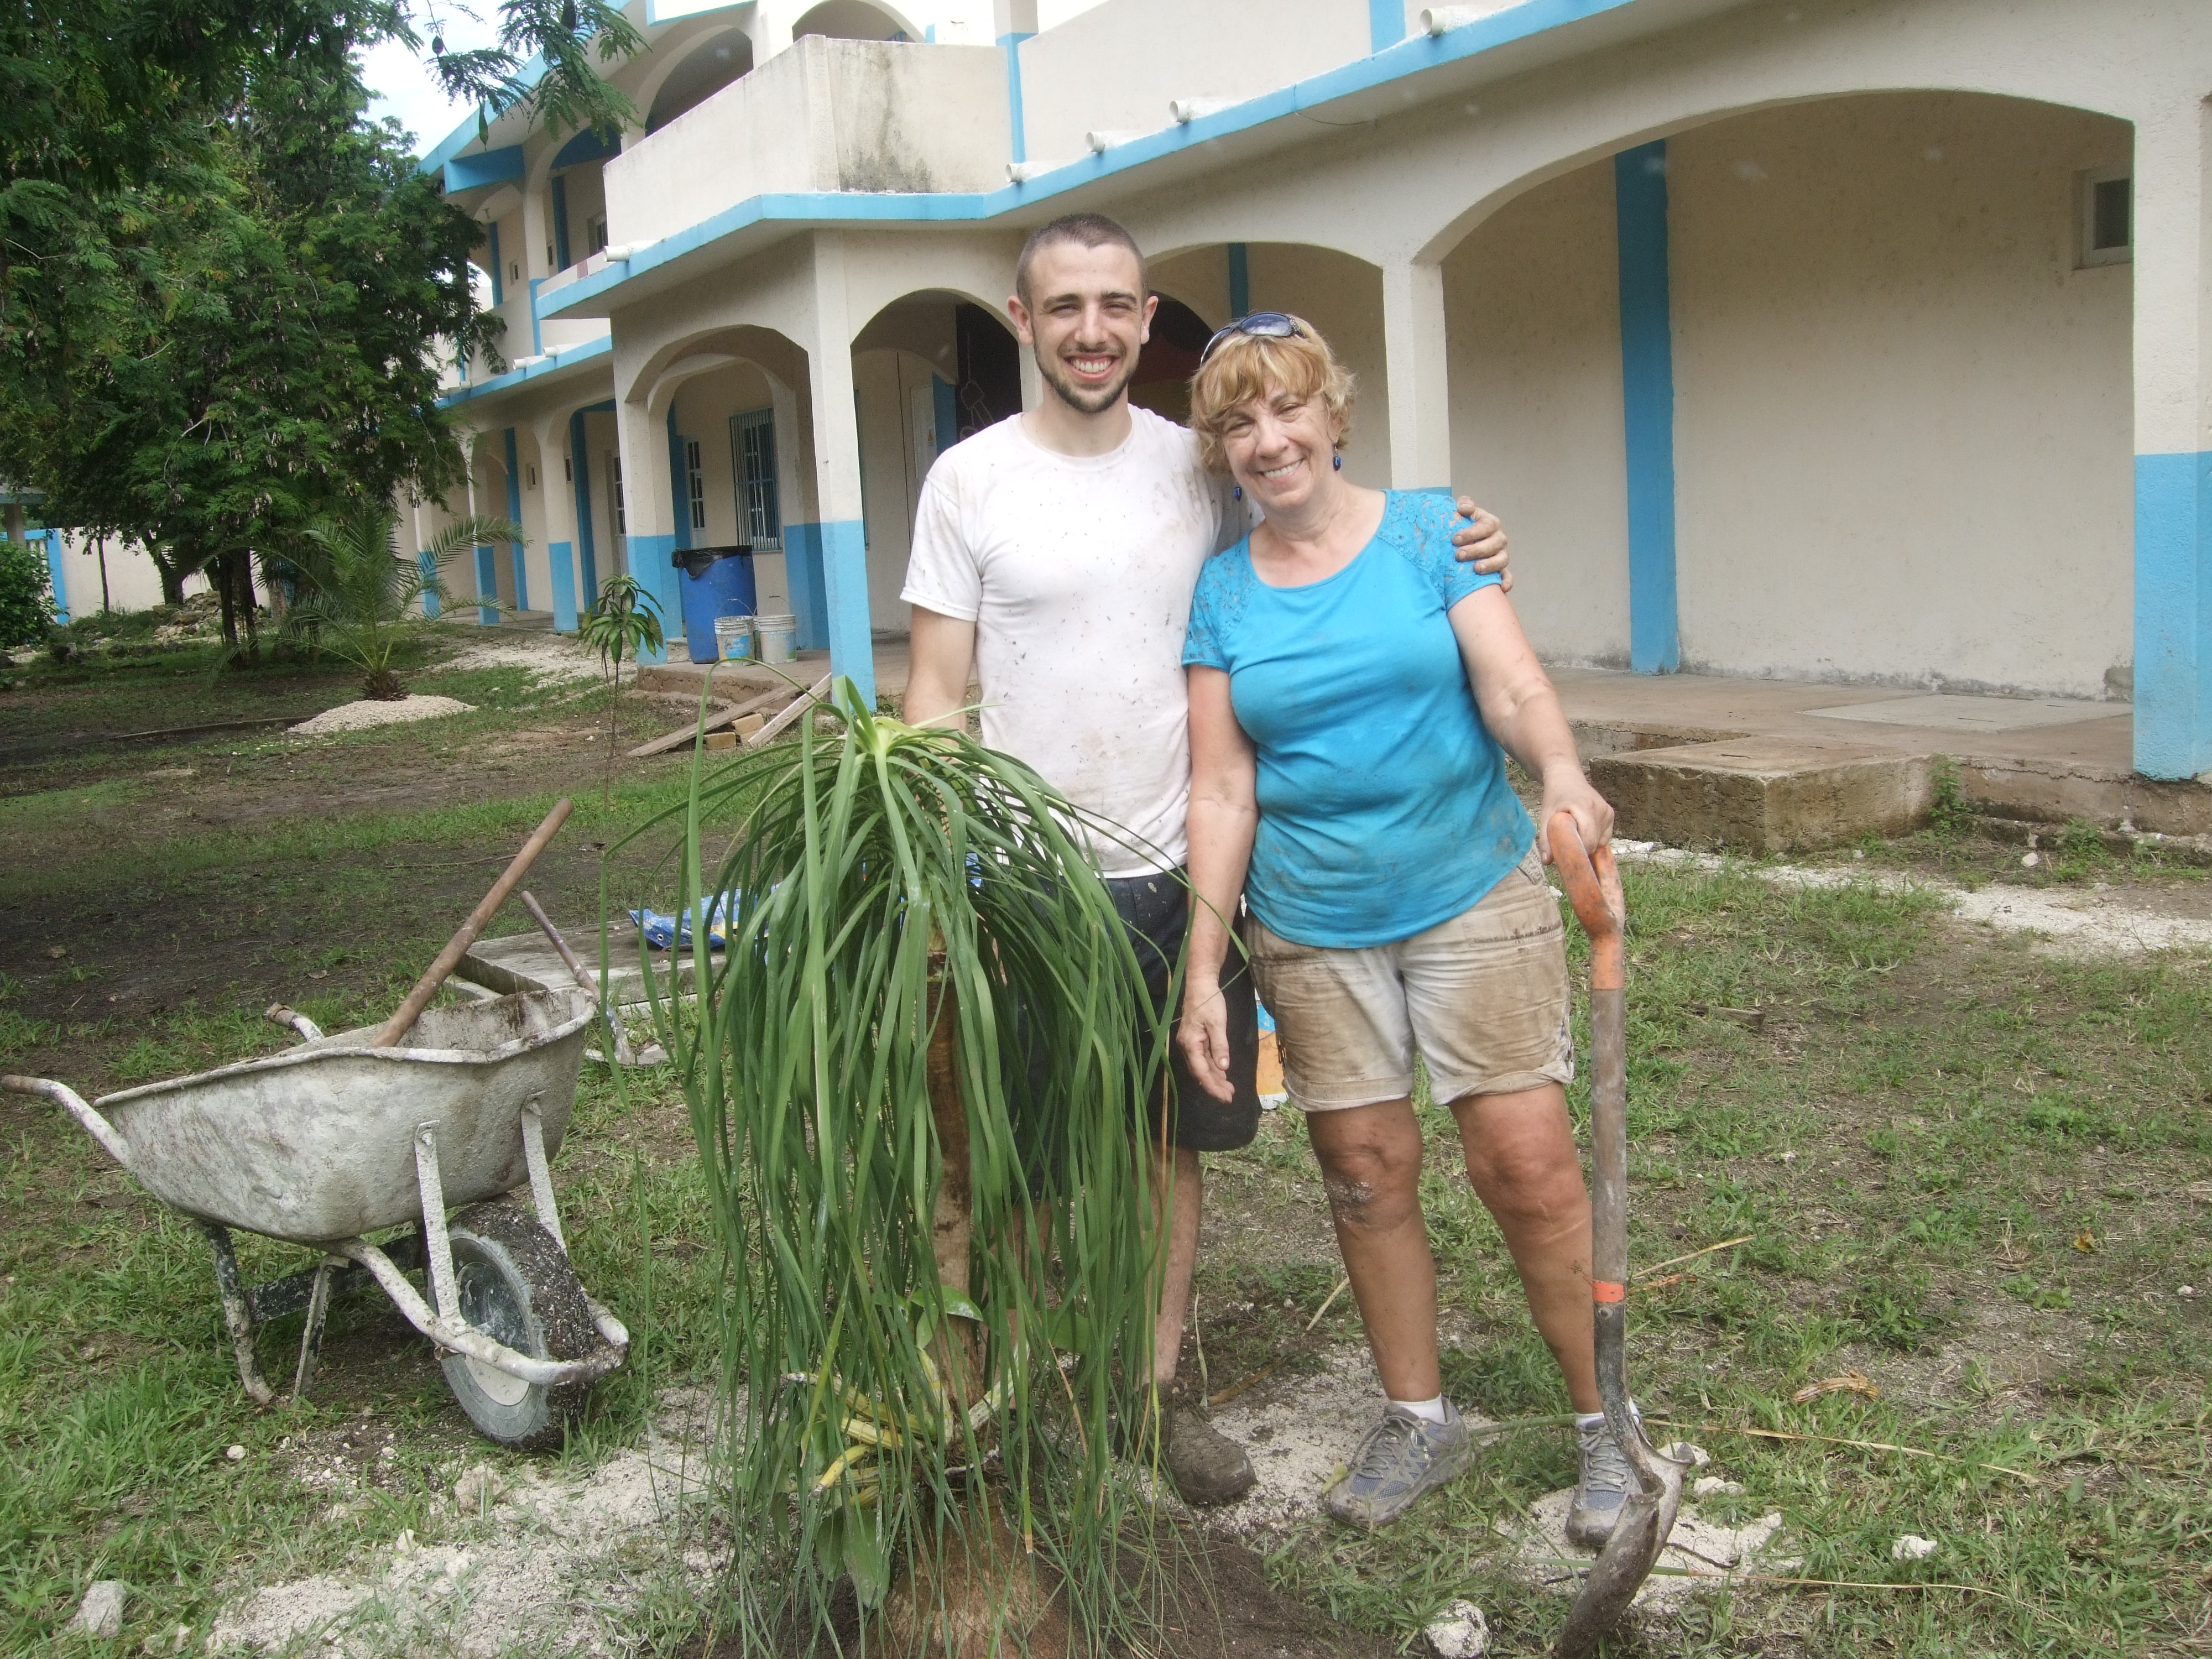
x=458, y=946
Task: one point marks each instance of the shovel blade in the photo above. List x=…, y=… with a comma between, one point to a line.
x=1646, y=1520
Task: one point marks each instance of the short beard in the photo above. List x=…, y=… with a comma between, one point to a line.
x=1082, y=399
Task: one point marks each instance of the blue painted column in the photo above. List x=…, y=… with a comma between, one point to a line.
x=2174, y=615
x=487, y=584
x=679, y=489
x=514, y=516
x=429, y=574
x=580, y=462
x=1385, y=24
x=1240, y=281
x=1010, y=44
x=1647, y=386
x=802, y=576
x=58, y=574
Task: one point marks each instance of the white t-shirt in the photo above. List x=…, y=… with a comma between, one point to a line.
x=1077, y=571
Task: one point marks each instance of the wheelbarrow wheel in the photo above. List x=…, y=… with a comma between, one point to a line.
x=516, y=1286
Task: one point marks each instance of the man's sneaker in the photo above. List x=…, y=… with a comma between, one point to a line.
x=1606, y=1480
x=1206, y=1465
x=1401, y=1457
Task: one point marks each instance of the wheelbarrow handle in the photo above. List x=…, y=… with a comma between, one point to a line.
x=62, y=1095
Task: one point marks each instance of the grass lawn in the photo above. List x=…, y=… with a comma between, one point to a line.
x=1972, y=1173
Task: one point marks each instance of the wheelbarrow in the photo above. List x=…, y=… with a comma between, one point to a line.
x=368, y=1130
x=1593, y=887
x=336, y=1139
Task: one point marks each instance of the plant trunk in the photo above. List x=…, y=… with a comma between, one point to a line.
x=228, y=597
x=952, y=1225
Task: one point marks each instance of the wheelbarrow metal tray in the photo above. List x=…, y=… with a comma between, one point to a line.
x=318, y=1143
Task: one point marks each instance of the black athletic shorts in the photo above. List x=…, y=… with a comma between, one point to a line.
x=1157, y=911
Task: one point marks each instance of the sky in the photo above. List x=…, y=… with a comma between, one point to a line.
x=405, y=88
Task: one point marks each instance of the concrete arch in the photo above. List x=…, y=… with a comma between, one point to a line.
x=837, y=18
x=882, y=272
x=667, y=58
x=660, y=375
x=1438, y=244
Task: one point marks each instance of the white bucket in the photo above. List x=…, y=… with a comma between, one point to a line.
x=779, y=638
x=733, y=638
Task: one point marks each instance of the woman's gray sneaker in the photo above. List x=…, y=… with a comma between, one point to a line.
x=1206, y=1465
x=1401, y=1457
x=1606, y=1480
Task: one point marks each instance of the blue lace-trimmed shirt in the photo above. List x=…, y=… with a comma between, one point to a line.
x=1384, y=807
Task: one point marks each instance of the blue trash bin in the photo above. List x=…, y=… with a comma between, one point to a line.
x=717, y=582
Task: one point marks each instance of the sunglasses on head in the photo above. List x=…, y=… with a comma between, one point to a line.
x=1263, y=325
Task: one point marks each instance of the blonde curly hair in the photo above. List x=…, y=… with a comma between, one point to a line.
x=1243, y=367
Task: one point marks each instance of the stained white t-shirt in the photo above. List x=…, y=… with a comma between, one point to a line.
x=1078, y=571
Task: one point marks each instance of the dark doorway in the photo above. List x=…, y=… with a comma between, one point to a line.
x=990, y=369
x=1168, y=360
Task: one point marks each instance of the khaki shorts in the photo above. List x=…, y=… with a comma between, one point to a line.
x=1482, y=998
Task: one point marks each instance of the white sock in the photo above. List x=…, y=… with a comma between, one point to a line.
x=1428, y=1411
x=1591, y=1419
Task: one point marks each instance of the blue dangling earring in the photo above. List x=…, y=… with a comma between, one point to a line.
x=1237, y=491
x=1337, y=461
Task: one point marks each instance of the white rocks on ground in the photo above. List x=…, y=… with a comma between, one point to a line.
x=374, y=711
x=1711, y=1485
x=553, y=1569
x=100, y=1613
x=1913, y=1547
x=2095, y=920
x=1460, y=1631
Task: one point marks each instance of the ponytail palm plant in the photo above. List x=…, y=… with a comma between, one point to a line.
x=359, y=597
x=895, y=899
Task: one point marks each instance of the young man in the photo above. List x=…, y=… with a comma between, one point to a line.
x=1054, y=556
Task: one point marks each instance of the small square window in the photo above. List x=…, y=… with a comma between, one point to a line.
x=2106, y=216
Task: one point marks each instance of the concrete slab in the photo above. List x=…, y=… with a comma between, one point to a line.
x=1953, y=712
x=1762, y=794
x=2040, y=759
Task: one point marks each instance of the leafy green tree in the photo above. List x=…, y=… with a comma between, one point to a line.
x=224, y=293
x=360, y=596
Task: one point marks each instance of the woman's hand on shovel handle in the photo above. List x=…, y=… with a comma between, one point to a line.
x=1567, y=790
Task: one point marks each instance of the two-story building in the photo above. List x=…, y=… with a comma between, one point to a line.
x=1857, y=340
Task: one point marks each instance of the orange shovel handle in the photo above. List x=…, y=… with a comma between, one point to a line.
x=1592, y=882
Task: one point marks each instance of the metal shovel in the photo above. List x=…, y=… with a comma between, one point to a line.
x=1593, y=886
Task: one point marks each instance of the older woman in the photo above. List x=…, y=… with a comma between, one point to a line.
x=1350, y=687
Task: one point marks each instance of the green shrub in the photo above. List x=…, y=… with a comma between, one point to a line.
x=27, y=609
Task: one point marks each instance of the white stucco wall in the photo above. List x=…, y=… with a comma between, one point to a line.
x=1116, y=66
x=853, y=115
x=133, y=581
x=1533, y=317
x=897, y=443
x=1903, y=418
